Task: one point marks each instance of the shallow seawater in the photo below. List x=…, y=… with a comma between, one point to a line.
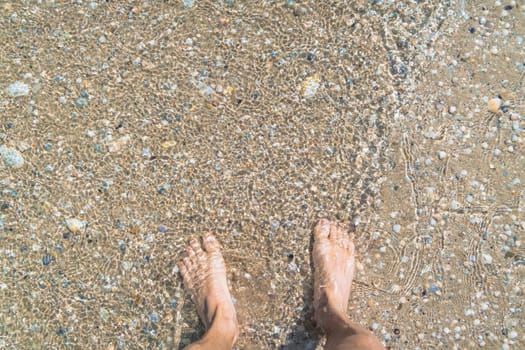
x=142, y=124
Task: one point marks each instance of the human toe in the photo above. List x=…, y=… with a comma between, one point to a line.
x=338, y=233
x=210, y=243
x=348, y=244
x=187, y=262
x=183, y=269
x=196, y=246
x=322, y=229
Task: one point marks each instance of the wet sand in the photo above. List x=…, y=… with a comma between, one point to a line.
x=130, y=127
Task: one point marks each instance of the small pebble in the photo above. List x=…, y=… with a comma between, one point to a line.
x=46, y=260
x=11, y=157
x=18, y=89
x=116, y=146
x=487, y=259
x=104, y=314
x=494, y=105
x=153, y=317
x=396, y=228
x=433, y=289
x=454, y=205
x=431, y=134
x=310, y=57
x=81, y=102
x=206, y=91
x=310, y=86
x=442, y=155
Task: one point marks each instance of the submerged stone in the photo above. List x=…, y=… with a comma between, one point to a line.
x=310, y=86
x=18, y=89
x=11, y=157
x=81, y=102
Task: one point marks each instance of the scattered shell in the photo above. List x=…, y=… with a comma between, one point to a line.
x=494, y=105
x=168, y=144
x=75, y=225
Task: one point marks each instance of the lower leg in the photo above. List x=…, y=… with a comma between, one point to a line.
x=220, y=336
x=343, y=334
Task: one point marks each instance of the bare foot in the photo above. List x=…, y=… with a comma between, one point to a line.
x=334, y=263
x=204, y=274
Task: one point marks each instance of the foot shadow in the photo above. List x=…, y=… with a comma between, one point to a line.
x=193, y=330
x=305, y=335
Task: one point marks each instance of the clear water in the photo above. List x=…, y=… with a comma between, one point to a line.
x=152, y=122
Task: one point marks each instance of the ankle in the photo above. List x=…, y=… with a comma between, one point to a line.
x=328, y=312
x=326, y=316
x=224, y=323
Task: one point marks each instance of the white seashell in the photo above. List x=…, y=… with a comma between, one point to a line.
x=75, y=225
